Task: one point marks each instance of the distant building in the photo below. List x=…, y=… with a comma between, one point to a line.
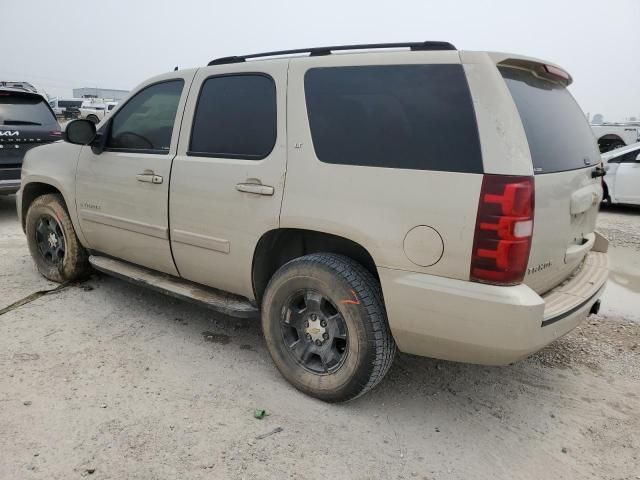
x=93, y=92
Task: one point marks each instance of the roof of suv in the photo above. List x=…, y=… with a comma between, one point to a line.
x=320, y=51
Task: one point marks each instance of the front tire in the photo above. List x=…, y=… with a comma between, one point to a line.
x=52, y=241
x=326, y=328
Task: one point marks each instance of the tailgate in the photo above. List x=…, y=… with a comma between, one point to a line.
x=564, y=155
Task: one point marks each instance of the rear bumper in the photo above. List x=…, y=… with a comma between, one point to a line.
x=8, y=187
x=476, y=323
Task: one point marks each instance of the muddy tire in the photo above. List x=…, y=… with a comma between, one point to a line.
x=93, y=118
x=52, y=241
x=326, y=328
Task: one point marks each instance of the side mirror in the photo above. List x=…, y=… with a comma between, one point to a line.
x=80, y=132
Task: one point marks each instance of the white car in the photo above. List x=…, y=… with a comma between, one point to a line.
x=622, y=182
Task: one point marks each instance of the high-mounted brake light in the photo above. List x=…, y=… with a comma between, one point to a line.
x=504, y=226
x=557, y=72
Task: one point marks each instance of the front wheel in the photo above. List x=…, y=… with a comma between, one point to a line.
x=52, y=241
x=326, y=327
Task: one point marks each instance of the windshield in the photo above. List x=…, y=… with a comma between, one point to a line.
x=557, y=130
x=19, y=109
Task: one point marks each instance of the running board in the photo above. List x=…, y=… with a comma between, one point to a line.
x=223, y=302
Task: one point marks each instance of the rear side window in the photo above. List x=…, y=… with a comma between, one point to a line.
x=557, y=130
x=19, y=109
x=235, y=117
x=397, y=116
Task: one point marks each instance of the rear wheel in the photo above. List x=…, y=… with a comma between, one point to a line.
x=608, y=145
x=326, y=327
x=93, y=119
x=52, y=241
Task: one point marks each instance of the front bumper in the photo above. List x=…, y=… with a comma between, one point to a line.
x=486, y=324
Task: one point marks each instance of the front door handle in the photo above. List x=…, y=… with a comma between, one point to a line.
x=256, y=188
x=149, y=177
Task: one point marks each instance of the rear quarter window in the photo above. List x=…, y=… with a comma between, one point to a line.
x=417, y=117
x=557, y=130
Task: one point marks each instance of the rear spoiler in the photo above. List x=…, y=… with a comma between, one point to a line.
x=539, y=68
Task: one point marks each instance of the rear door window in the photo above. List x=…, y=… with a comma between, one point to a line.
x=557, y=130
x=18, y=109
x=417, y=117
x=235, y=117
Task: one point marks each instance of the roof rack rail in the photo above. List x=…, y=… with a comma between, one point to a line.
x=317, y=51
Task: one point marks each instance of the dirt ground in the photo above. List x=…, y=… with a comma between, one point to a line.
x=110, y=381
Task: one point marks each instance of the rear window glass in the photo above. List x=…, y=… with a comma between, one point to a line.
x=557, y=130
x=235, y=117
x=16, y=109
x=397, y=116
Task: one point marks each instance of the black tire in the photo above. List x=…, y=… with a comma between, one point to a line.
x=62, y=258
x=607, y=146
x=605, y=192
x=357, y=349
x=93, y=119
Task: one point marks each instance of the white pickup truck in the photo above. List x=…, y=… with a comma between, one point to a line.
x=615, y=135
x=96, y=109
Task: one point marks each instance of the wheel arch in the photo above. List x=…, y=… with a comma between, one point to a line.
x=606, y=140
x=33, y=190
x=279, y=246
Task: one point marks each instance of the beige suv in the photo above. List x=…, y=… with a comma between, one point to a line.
x=357, y=198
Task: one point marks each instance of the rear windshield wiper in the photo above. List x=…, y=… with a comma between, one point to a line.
x=20, y=122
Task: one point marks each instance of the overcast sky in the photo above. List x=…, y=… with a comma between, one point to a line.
x=118, y=43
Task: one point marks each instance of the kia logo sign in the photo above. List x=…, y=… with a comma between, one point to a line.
x=9, y=133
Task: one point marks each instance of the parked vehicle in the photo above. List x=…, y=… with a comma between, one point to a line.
x=357, y=201
x=96, y=109
x=622, y=182
x=66, y=108
x=23, y=86
x=26, y=121
x=615, y=135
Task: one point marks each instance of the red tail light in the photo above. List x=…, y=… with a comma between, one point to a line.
x=557, y=72
x=504, y=227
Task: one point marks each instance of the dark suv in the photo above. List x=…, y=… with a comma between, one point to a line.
x=26, y=121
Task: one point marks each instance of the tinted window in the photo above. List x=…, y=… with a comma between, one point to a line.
x=20, y=109
x=69, y=103
x=557, y=130
x=235, y=117
x=146, y=121
x=399, y=116
x=629, y=157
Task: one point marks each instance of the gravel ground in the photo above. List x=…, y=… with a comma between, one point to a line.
x=109, y=381
x=621, y=226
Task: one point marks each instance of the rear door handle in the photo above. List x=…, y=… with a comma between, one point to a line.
x=149, y=178
x=256, y=188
